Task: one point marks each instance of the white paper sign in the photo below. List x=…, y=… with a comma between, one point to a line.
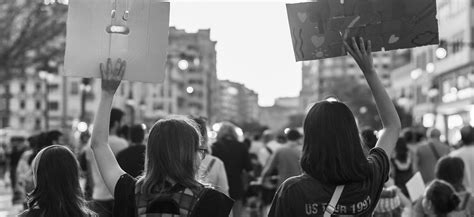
x=415, y=187
x=133, y=30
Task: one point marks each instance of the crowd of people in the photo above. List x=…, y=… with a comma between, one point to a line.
x=327, y=167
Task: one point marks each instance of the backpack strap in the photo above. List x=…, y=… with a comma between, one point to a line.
x=209, y=167
x=435, y=152
x=334, y=199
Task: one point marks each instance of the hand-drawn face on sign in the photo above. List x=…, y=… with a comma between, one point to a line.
x=133, y=30
x=319, y=28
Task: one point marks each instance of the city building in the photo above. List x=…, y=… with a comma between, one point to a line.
x=443, y=76
x=236, y=103
x=277, y=117
x=316, y=75
x=190, y=87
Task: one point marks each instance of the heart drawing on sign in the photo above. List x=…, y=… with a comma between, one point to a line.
x=317, y=40
x=393, y=39
x=302, y=16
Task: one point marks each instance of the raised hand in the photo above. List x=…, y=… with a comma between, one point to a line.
x=112, y=75
x=361, y=54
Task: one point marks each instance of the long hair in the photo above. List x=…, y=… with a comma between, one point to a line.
x=451, y=170
x=401, y=150
x=171, y=153
x=227, y=131
x=332, y=151
x=57, y=191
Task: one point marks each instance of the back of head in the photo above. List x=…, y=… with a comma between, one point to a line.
x=401, y=150
x=450, y=169
x=57, y=191
x=442, y=196
x=408, y=135
x=433, y=133
x=53, y=137
x=172, y=153
x=293, y=135
x=116, y=116
x=267, y=136
x=332, y=152
x=137, y=134
x=227, y=132
x=369, y=138
x=467, y=135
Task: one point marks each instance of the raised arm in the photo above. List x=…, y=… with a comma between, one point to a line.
x=388, y=114
x=108, y=166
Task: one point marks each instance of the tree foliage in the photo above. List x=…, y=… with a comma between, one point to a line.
x=357, y=96
x=32, y=33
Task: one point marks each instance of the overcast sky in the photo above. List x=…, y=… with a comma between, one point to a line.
x=253, y=43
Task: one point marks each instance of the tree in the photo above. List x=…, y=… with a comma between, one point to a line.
x=295, y=121
x=32, y=36
x=357, y=96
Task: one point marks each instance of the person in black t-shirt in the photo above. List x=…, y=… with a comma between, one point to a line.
x=132, y=159
x=333, y=155
x=173, y=154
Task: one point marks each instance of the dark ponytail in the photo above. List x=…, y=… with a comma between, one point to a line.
x=443, y=197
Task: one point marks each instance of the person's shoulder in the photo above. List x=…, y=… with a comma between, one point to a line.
x=30, y=213
x=295, y=181
x=377, y=151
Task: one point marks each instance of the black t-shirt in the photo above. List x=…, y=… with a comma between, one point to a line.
x=305, y=196
x=132, y=159
x=213, y=203
x=236, y=158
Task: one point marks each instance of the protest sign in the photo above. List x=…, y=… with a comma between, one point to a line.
x=319, y=28
x=415, y=187
x=135, y=31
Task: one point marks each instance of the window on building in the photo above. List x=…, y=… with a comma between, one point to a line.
x=38, y=105
x=38, y=86
x=53, y=87
x=457, y=42
x=37, y=123
x=22, y=104
x=22, y=87
x=22, y=120
x=53, y=106
x=158, y=106
x=180, y=102
x=74, y=88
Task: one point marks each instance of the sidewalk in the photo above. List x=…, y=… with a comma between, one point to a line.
x=6, y=207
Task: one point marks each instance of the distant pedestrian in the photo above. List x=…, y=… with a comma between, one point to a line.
x=466, y=153
x=236, y=160
x=402, y=165
x=336, y=172
x=428, y=154
x=211, y=170
x=56, y=185
x=132, y=159
x=286, y=159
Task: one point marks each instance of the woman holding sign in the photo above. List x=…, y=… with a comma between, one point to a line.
x=173, y=155
x=338, y=179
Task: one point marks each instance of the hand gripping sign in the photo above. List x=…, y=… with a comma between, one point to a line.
x=133, y=30
x=319, y=28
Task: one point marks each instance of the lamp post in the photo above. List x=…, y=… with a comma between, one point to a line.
x=47, y=78
x=85, y=89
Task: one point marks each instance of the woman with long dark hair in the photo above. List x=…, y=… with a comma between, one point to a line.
x=402, y=165
x=338, y=179
x=173, y=155
x=57, y=191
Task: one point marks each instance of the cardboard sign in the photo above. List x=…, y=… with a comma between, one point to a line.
x=415, y=187
x=133, y=30
x=319, y=28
